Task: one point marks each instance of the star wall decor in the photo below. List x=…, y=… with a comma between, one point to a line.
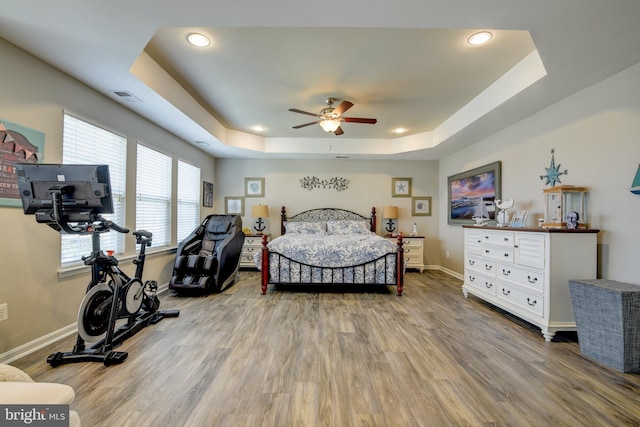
x=553, y=172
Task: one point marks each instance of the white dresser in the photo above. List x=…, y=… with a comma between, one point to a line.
x=413, y=251
x=527, y=271
x=252, y=244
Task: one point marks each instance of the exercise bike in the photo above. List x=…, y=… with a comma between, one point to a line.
x=70, y=199
x=112, y=296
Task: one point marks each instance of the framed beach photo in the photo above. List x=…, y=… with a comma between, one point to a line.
x=400, y=187
x=234, y=205
x=254, y=187
x=473, y=193
x=421, y=206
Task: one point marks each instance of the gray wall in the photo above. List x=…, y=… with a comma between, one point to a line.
x=35, y=95
x=595, y=133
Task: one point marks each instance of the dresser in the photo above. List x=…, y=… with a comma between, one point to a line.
x=526, y=272
x=413, y=251
x=252, y=244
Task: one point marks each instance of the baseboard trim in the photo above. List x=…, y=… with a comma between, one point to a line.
x=38, y=343
x=50, y=338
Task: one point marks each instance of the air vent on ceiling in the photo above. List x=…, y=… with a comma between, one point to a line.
x=126, y=96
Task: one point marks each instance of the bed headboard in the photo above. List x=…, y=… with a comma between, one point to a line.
x=326, y=214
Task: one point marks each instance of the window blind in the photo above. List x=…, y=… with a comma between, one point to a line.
x=153, y=194
x=188, y=199
x=86, y=143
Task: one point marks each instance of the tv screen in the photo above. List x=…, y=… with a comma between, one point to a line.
x=84, y=189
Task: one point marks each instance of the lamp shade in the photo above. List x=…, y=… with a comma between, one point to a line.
x=260, y=211
x=329, y=125
x=390, y=212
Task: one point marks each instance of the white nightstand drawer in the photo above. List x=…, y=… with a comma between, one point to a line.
x=481, y=265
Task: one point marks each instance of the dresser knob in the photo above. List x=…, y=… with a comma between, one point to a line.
x=531, y=303
x=535, y=279
x=488, y=285
x=506, y=272
x=505, y=291
x=488, y=267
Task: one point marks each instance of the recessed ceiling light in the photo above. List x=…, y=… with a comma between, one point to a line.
x=258, y=128
x=480, y=38
x=399, y=130
x=198, y=39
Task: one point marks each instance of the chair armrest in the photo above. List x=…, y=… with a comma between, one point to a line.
x=17, y=393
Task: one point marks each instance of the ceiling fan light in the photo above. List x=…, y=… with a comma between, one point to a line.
x=329, y=125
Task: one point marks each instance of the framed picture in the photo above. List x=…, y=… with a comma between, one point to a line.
x=254, y=187
x=400, y=187
x=207, y=194
x=234, y=205
x=473, y=194
x=519, y=219
x=421, y=206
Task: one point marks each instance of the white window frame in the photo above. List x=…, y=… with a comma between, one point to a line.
x=84, y=142
x=153, y=194
x=188, y=196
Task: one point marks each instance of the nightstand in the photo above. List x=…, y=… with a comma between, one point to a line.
x=252, y=244
x=413, y=251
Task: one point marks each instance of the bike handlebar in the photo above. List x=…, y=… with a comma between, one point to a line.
x=112, y=225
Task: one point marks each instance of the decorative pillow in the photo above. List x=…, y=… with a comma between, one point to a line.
x=301, y=227
x=348, y=227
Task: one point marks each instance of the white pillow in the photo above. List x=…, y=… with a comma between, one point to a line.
x=342, y=227
x=301, y=227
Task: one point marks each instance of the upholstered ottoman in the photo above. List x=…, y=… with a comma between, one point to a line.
x=608, y=321
x=17, y=388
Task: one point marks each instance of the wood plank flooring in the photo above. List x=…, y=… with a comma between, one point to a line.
x=365, y=358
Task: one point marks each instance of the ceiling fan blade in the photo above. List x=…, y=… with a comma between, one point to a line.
x=360, y=120
x=338, y=131
x=295, y=110
x=304, y=125
x=344, y=106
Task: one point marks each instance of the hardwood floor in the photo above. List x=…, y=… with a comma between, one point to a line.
x=367, y=358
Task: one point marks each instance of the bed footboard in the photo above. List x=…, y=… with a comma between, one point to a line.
x=322, y=272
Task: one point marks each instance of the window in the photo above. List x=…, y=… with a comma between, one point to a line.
x=153, y=195
x=85, y=143
x=188, y=199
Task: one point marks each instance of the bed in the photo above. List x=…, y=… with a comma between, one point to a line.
x=329, y=246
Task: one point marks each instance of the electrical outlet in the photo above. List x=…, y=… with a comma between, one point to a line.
x=4, y=311
x=446, y=254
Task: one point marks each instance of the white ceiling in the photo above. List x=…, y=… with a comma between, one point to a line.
x=405, y=63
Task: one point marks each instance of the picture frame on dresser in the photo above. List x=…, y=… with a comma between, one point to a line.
x=473, y=193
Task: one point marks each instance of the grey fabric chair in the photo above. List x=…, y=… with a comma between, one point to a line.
x=208, y=259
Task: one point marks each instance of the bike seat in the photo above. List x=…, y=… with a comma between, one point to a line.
x=143, y=233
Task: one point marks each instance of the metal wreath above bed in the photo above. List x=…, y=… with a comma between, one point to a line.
x=384, y=269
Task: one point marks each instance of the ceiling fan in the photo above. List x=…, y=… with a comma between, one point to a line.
x=330, y=118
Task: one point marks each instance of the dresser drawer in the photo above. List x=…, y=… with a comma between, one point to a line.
x=482, y=282
x=502, y=238
x=498, y=253
x=528, y=278
x=481, y=265
x=253, y=241
x=530, y=301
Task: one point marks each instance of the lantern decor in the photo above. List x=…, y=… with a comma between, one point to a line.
x=562, y=200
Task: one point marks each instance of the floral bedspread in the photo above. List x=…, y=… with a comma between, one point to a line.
x=333, y=251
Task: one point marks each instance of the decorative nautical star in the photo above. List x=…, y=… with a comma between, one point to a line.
x=553, y=172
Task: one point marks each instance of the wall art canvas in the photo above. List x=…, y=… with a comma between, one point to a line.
x=18, y=144
x=473, y=194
